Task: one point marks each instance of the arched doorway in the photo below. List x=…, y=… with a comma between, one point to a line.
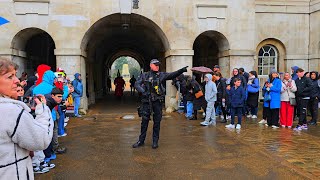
x=127, y=67
x=119, y=35
x=32, y=47
x=271, y=55
x=212, y=48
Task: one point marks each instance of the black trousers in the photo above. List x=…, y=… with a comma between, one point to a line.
x=302, y=110
x=265, y=113
x=273, y=116
x=313, y=107
x=223, y=109
x=236, y=111
x=157, y=116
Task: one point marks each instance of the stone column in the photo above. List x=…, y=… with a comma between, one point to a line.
x=314, y=62
x=242, y=58
x=17, y=56
x=73, y=61
x=176, y=59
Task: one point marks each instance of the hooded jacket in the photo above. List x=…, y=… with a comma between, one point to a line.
x=47, y=84
x=304, y=87
x=211, y=90
x=294, y=74
x=18, y=138
x=78, y=87
x=42, y=68
x=315, y=91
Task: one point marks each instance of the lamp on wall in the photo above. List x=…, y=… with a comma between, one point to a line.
x=135, y=4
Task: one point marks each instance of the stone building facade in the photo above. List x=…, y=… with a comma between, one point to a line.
x=87, y=36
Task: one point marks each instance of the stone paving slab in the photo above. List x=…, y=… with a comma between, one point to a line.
x=101, y=149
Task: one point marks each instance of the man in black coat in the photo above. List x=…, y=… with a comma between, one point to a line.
x=314, y=98
x=151, y=86
x=304, y=87
x=244, y=74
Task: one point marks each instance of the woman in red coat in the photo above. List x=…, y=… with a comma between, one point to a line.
x=120, y=84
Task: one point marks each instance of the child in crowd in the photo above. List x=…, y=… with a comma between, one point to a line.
x=237, y=95
x=211, y=98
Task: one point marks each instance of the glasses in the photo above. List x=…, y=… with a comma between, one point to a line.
x=59, y=96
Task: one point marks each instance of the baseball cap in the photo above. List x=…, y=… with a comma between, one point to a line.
x=216, y=66
x=155, y=61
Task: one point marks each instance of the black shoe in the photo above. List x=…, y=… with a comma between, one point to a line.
x=193, y=118
x=137, y=144
x=60, y=150
x=155, y=145
x=313, y=123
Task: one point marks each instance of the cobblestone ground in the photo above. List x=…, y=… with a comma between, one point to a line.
x=99, y=147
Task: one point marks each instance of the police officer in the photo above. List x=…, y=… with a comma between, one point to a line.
x=151, y=85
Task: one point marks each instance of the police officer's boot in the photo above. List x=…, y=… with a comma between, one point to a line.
x=137, y=144
x=155, y=144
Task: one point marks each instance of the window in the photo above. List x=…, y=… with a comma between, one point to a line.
x=267, y=59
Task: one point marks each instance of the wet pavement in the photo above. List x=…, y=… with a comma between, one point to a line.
x=99, y=147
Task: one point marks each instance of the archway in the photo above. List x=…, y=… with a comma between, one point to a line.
x=32, y=47
x=270, y=54
x=211, y=48
x=279, y=49
x=127, y=67
x=120, y=35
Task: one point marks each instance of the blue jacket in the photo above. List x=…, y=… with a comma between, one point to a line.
x=275, y=92
x=294, y=74
x=46, y=86
x=254, y=87
x=65, y=92
x=237, y=96
x=78, y=87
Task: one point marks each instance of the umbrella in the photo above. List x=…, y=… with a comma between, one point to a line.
x=201, y=70
x=3, y=21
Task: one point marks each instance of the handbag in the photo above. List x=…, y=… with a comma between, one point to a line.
x=199, y=94
x=267, y=96
x=293, y=101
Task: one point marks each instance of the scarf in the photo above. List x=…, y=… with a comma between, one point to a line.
x=250, y=80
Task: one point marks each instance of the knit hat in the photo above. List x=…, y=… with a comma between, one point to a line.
x=273, y=70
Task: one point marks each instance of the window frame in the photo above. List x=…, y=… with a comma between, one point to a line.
x=267, y=55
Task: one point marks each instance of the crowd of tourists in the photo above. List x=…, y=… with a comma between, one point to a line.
x=37, y=105
x=286, y=96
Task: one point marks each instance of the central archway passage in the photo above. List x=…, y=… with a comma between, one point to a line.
x=127, y=67
x=120, y=35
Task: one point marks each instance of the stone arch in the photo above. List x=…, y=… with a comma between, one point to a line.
x=118, y=35
x=212, y=48
x=31, y=47
x=104, y=22
x=281, y=50
x=126, y=52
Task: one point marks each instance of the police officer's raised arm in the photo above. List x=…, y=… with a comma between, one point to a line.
x=172, y=75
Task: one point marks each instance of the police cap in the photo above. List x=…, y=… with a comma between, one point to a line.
x=155, y=61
